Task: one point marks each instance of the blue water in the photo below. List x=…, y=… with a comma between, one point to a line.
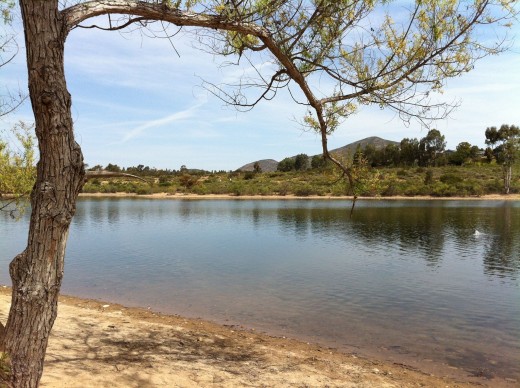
x=403, y=280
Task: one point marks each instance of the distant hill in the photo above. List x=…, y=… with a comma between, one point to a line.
x=267, y=165
x=350, y=149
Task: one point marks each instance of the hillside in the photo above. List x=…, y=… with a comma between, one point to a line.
x=267, y=165
x=350, y=149
x=270, y=165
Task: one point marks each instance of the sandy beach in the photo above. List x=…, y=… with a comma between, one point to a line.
x=99, y=344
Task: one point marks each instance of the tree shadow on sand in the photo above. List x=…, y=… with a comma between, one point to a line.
x=135, y=352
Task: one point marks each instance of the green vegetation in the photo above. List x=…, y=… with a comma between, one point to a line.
x=410, y=168
x=17, y=172
x=413, y=167
x=442, y=181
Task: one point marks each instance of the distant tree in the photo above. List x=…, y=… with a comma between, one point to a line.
x=188, y=181
x=488, y=153
x=358, y=156
x=462, y=154
x=431, y=146
x=409, y=152
x=391, y=155
x=97, y=167
x=371, y=155
x=301, y=162
x=286, y=164
x=257, y=168
x=506, y=141
x=475, y=153
x=113, y=167
x=317, y=161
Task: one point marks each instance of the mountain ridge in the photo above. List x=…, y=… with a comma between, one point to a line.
x=270, y=165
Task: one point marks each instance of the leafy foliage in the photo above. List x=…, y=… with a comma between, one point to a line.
x=507, y=149
x=17, y=171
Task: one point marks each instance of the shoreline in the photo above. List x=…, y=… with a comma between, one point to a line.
x=488, y=197
x=95, y=343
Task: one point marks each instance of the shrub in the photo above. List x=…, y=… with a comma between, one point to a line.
x=249, y=175
x=450, y=178
x=418, y=189
x=304, y=191
x=144, y=190
x=200, y=189
x=428, y=177
x=390, y=191
x=441, y=189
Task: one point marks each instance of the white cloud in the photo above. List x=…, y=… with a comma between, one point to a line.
x=178, y=116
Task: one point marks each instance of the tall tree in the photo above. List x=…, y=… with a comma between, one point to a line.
x=506, y=141
x=371, y=57
x=432, y=145
x=301, y=162
x=410, y=151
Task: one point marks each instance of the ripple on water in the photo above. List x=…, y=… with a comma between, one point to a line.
x=405, y=279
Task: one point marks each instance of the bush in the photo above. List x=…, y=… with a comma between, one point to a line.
x=390, y=191
x=200, y=190
x=441, y=189
x=450, y=178
x=413, y=190
x=428, y=177
x=304, y=191
x=249, y=175
x=144, y=190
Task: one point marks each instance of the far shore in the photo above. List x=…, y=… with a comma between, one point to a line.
x=489, y=197
x=102, y=344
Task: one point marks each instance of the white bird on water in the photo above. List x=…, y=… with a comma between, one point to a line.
x=477, y=233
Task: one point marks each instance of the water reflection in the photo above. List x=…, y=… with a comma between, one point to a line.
x=502, y=253
x=308, y=269
x=416, y=230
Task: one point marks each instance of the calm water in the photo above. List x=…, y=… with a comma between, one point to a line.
x=402, y=280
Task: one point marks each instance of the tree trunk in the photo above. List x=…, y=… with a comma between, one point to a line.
x=508, y=174
x=37, y=272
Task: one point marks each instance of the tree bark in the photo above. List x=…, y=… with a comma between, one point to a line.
x=37, y=272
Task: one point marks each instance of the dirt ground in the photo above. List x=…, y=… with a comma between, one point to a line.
x=96, y=344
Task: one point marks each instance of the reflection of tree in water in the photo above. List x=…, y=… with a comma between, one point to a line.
x=297, y=220
x=502, y=252
x=414, y=229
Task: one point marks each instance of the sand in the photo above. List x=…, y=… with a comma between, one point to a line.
x=98, y=344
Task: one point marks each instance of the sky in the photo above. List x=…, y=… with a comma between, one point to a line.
x=136, y=100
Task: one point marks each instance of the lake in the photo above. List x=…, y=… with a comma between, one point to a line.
x=432, y=283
